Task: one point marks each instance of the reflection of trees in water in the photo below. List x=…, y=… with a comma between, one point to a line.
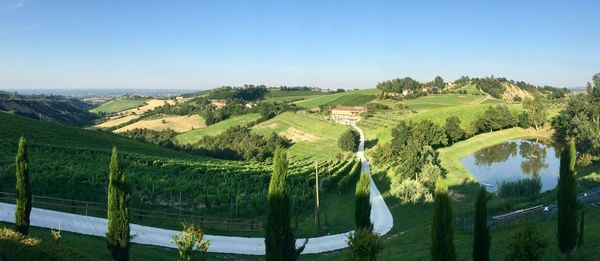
x=495, y=154
x=534, y=158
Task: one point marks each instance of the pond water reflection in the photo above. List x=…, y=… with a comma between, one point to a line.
x=514, y=160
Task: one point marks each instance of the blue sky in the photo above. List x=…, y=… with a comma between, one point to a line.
x=332, y=44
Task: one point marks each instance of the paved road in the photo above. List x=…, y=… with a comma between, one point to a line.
x=380, y=216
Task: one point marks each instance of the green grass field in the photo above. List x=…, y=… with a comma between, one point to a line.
x=194, y=136
x=317, y=139
x=287, y=96
x=351, y=100
x=325, y=99
x=119, y=105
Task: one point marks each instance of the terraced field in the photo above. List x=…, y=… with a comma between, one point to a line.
x=194, y=136
x=314, y=138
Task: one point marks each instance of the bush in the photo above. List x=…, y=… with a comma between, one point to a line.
x=189, y=238
x=364, y=245
x=15, y=246
x=527, y=245
x=349, y=140
x=519, y=188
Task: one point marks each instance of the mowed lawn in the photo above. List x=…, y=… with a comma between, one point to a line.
x=314, y=138
x=194, y=136
x=119, y=105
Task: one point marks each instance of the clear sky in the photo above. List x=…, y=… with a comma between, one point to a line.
x=332, y=44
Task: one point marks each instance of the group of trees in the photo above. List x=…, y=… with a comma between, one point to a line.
x=163, y=138
x=580, y=121
x=239, y=142
x=414, y=160
x=494, y=118
x=398, y=85
x=246, y=93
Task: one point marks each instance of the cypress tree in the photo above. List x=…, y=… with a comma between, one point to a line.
x=566, y=198
x=442, y=229
x=23, y=189
x=117, y=237
x=362, y=206
x=481, y=233
x=280, y=243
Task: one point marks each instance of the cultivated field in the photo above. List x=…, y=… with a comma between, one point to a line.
x=177, y=123
x=132, y=114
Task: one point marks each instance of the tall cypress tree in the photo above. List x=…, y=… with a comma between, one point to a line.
x=23, y=189
x=117, y=237
x=362, y=205
x=481, y=233
x=566, y=197
x=280, y=243
x=442, y=229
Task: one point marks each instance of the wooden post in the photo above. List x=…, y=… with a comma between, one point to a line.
x=317, y=205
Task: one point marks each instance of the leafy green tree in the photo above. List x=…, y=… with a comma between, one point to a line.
x=280, y=243
x=442, y=229
x=566, y=197
x=524, y=120
x=362, y=207
x=349, y=140
x=438, y=82
x=537, y=109
x=118, y=236
x=364, y=245
x=453, y=130
x=526, y=245
x=189, y=238
x=23, y=189
x=481, y=232
x=581, y=120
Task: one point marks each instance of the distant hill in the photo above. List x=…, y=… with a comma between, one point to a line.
x=510, y=90
x=48, y=108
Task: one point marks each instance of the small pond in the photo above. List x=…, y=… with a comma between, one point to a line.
x=514, y=160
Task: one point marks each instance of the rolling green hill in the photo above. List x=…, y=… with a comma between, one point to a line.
x=194, y=136
x=120, y=105
x=359, y=96
x=313, y=138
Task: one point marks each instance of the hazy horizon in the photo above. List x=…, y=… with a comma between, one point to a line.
x=191, y=45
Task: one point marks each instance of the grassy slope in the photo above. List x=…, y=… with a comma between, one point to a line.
x=194, y=136
x=52, y=134
x=325, y=147
x=379, y=126
x=119, y=105
x=325, y=99
x=285, y=96
x=450, y=156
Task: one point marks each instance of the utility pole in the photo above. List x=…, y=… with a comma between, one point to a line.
x=317, y=205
